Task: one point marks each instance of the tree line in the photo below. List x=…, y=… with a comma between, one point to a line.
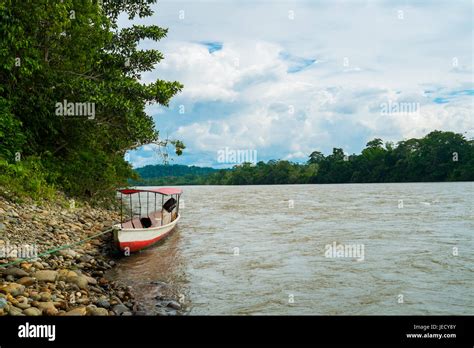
x=438, y=156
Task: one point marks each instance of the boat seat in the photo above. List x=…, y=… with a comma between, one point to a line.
x=145, y=222
x=154, y=219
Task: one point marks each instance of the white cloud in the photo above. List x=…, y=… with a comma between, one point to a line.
x=364, y=54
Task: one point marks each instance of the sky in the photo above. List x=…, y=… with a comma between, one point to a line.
x=281, y=79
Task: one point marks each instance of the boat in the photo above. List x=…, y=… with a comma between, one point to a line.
x=138, y=230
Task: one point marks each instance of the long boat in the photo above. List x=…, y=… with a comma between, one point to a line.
x=143, y=230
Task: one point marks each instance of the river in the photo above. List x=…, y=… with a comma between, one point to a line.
x=250, y=250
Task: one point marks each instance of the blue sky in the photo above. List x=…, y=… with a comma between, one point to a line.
x=286, y=78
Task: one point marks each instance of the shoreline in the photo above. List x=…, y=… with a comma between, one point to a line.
x=70, y=281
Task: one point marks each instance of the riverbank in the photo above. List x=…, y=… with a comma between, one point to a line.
x=70, y=281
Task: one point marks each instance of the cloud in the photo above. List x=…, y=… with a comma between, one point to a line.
x=287, y=78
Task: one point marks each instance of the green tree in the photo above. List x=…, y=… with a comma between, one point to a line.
x=73, y=50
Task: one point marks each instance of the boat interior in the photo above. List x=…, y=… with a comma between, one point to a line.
x=153, y=219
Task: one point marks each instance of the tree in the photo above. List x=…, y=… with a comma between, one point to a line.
x=73, y=51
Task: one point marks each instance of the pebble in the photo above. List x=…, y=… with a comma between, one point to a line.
x=78, y=311
x=26, y=281
x=46, y=275
x=15, y=271
x=80, y=281
x=120, y=308
x=68, y=282
x=13, y=289
x=15, y=311
x=95, y=311
x=32, y=311
x=174, y=305
x=43, y=306
x=103, y=303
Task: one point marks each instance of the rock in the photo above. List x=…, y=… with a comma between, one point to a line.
x=26, y=266
x=13, y=213
x=13, y=289
x=38, y=265
x=161, y=312
x=78, y=311
x=2, y=227
x=103, y=303
x=68, y=253
x=50, y=311
x=46, y=306
x=85, y=258
x=91, y=280
x=3, y=303
x=80, y=281
x=23, y=305
x=174, y=305
x=15, y=271
x=119, y=309
x=64, y=273
x=32, y=311
x=45, y=296
x=46, y=275
x=93, y=310
x=26, y=281
x=15, y=311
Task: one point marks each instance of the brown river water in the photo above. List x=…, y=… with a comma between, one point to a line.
x=249, y=250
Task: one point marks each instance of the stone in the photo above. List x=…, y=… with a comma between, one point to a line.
x=103, y=303
x=174, y=305
x=23, y=305
x=64, y=273
x=93, y=310
x=26, y=266
x=78, y=311
x=45, y=296
x=16, y=272
x=13, y=213
x=26, y=281
x=3, y=303
x=80, y=281
x=120, y=308
x=85, y=258
x=50, y=311
x=46, y=275
x=15, y=311
x=91, y=280
x=161, y=312
x=43, y=306
x=68, y=253
x=38, y=265
x=13, y=289
x=32, y=311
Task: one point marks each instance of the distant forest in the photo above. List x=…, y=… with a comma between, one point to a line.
x=439, y=156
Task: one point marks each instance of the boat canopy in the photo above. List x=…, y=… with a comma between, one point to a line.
x=166, y=191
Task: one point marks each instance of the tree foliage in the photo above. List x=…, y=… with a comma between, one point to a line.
x=73, y=51
x=439, y=156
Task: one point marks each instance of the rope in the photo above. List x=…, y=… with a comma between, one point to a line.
x=51, y=251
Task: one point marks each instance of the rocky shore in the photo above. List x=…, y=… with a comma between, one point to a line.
x=70, y=281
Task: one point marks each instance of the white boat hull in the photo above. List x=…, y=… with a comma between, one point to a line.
x=134, y=239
